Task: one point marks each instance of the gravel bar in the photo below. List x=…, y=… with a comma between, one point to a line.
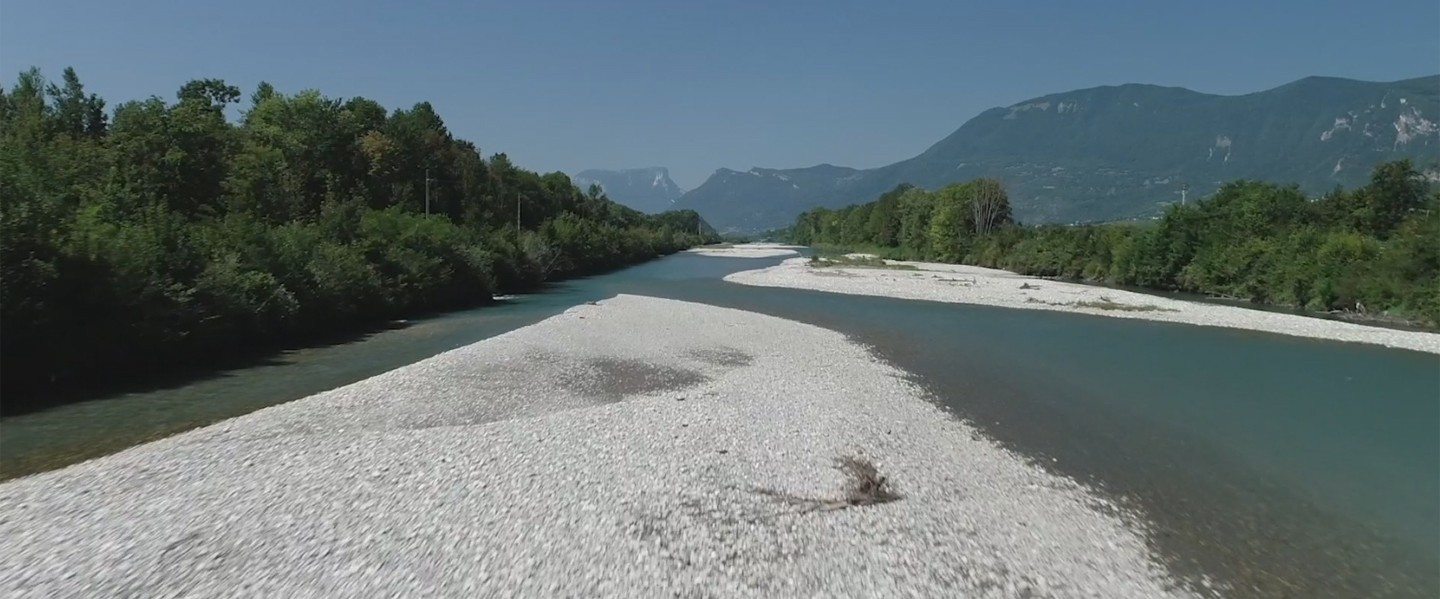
x=636, y=447
x=986, y=286
x=752, y=250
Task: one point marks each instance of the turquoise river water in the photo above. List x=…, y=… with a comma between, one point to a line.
x=1274, y=466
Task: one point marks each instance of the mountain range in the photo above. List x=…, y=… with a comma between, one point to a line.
x=1120, y=152
x=648, y=190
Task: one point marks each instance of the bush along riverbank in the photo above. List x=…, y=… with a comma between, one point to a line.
x=164, y=235
x=1368, y=253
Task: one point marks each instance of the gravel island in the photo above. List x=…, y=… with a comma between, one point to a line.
x=635, y=447
x=985, y=286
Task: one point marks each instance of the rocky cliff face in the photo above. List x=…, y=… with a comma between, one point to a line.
x=648, y=190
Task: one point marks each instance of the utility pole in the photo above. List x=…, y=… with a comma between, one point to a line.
x=517, y=214
x=1184, y=187
x=427, y=193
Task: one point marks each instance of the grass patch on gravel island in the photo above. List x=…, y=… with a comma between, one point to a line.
x=1108, y=304
x=1105, y=303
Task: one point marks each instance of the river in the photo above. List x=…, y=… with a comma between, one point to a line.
x=1277, y=466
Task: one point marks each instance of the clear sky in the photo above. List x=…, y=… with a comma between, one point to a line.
x=697, y=86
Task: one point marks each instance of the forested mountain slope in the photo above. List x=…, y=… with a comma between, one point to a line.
x=1118, y=152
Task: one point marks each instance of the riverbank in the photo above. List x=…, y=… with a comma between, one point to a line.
x=22, y=399
x=600, y=452
x=984, y=286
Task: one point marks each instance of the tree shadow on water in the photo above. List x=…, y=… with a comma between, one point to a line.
x=19, y=401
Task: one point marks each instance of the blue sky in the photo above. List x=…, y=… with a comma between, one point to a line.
x=697, y=86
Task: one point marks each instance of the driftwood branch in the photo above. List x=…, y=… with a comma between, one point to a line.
x=864, y=486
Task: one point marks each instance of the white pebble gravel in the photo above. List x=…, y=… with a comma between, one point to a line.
x=613, y=450
x=985, y=286
x=748, y=250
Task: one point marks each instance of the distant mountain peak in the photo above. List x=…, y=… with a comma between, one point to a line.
x=1121, y=151
x=647, y=189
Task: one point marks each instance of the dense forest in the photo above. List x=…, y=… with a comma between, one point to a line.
x=162, y=234
x=1373, y=250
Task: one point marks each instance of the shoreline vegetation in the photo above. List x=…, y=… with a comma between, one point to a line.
x=1367, y=254
x=164, y=236
x=830, y=256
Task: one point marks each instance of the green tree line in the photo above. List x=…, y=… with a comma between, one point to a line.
x=161, y=235
x=1375, y=249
